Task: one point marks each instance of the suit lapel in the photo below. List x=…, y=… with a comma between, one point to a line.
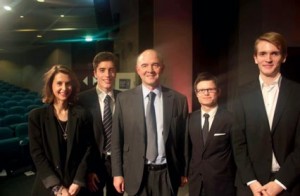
x=52, y=133
x=96, y=107
x=198, y=128
x=168, y=99
x=283, y=98
x=258, y=104
x=213, y=128
x=72, y=129
x=138, y=100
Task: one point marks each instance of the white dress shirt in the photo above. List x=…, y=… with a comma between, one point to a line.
x=158, y=105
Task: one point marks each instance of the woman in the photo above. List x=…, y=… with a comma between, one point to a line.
x=60, y=135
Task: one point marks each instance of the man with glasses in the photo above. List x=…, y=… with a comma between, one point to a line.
x=210, y=167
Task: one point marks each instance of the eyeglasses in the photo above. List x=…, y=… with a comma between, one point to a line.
x=207, y=90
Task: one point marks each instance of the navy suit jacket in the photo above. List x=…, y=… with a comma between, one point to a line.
x=129, y=137
x=254, y=140
x=210, y=165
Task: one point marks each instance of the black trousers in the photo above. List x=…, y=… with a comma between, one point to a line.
x=106, y=180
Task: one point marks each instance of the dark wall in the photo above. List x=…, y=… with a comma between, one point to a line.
x=82, y=59
x=291, y=68
x=215, y=27
x=145, y=24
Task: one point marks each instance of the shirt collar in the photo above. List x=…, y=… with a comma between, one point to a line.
x=211, y=113
x=103, y=94
x=277, y=81
x=146, y=91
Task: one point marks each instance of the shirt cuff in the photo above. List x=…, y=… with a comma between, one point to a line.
x=250, y=182
x=280, y=184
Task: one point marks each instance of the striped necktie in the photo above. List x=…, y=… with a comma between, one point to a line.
x=107, y=123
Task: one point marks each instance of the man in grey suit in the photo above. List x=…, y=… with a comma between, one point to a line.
x=139, y=167
x=209, y=155
x=104, y=64
x=266, y=140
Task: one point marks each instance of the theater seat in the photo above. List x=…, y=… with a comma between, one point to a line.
x=6, y=132
x=17, y=110
x=21, y=131
x=10, y=153
x=11, y=119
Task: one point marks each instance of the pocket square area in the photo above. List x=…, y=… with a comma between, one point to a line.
x=219, y=134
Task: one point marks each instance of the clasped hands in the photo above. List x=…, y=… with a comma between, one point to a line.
x=71, y=191
x=269, y=189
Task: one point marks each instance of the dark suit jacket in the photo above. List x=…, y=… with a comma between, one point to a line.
x=212, y=164
x=45, y=148
x=129, y=136
x=89, y=100
x=253, y=141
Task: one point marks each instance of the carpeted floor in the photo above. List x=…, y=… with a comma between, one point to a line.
x=16, y=183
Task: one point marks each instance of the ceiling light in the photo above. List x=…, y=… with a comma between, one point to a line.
x=7, y=8
x=40, y=0
x=88, y=38
x=26, y=30
x=39, y=36
x=64, y=29
x=62, y=16
x=21, y=16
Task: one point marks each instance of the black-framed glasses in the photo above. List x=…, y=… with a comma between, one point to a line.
x=206, y=90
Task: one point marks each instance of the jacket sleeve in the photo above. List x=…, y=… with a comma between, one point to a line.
x=117, y=141
x=239, y=142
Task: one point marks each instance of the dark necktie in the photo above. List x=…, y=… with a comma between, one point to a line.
x=107, y=123
x=205, y=127
x=152, y=151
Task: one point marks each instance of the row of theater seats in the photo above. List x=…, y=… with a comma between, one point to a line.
x=14, y=147
x=15, y=105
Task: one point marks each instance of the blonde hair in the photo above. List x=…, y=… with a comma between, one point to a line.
x=275, y=39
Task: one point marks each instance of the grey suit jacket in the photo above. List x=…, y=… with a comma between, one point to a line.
x=129, y=136
x=45, y=148
x=253, y=140
x=212, y=164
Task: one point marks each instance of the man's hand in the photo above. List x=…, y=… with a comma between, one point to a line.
x=93, y=181
x=271, y=189
x=184, y=181
x=256, y=188
x=74, y=189
x=119, y=183
x=63, y=192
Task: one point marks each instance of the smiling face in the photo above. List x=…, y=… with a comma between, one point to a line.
x=149, y=67
x=268, y=57
x=106, y=75
x=61, y=87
